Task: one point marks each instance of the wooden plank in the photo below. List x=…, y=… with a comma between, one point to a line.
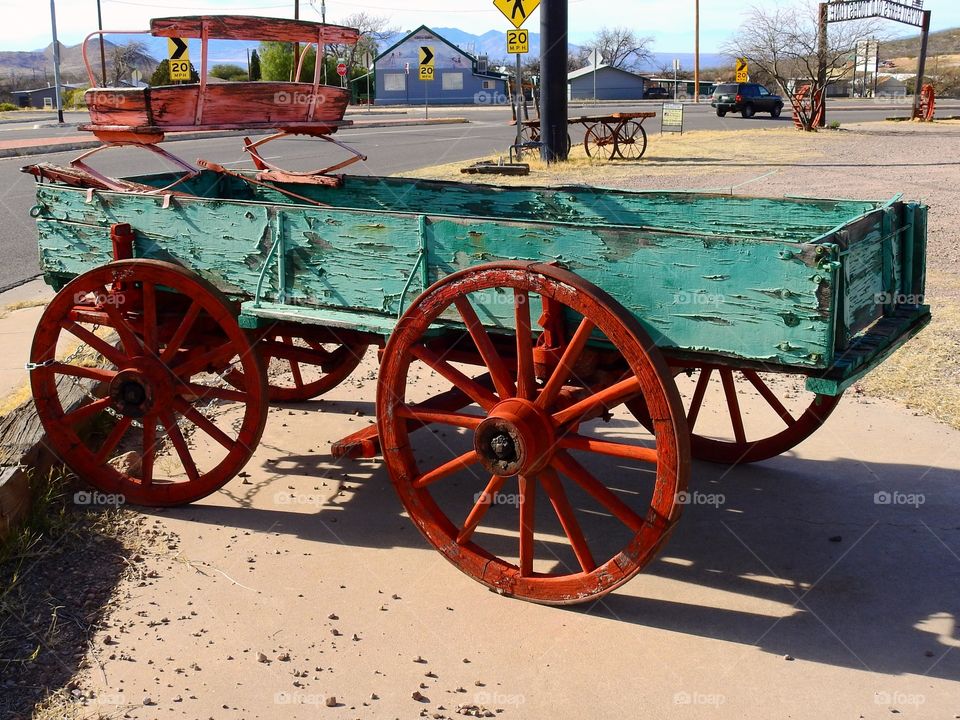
x=248, y=27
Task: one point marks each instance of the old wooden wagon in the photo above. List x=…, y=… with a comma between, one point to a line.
x=550, y=358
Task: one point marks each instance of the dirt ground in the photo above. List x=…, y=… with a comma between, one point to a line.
x=820, y=584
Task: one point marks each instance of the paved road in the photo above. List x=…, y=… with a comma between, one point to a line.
x=390, y=150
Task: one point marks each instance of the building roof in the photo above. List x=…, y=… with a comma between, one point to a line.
x=435, y=34
x=63, y=86
x=602, y=66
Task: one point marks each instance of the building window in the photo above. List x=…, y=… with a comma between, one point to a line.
x=489, y=85
x=453, y=81
x=394, y=82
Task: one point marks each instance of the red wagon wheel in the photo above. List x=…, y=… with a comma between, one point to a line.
x=785, y=413
x=299, y=369
x=154, y=382
x=632, y=140
x=928, y=103
x=600, y=141
x=575, y=528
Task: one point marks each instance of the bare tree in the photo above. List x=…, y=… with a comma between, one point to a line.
x=125, y=59
x=374, y=29
x=620, y=47
x=782, y=42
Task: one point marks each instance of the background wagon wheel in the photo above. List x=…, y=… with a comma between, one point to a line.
x=928, y=102
x=516, y=488
x=632, y=140
x=530, y=133
x=600, y=141
x=299, y=369
x=152, y=337
x=786, y=414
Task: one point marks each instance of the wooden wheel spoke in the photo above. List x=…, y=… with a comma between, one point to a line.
x=566, y=364
x=447, y=469
x=609, y=397
x=295, y=372
x=149, y=449
x=528, y=496
x=767, y=394
x=128, y=338
x=82, y=371
x=203, y=422
x=568, y=520
x=150, y=340
x=495, y=364
x=87, y=411
x=110, y=352
x=479, y=394
x=113, y=439
x=427, y=416
x=526, y=379
x=566, y=464
x=180, y=334
x=180, y=445
x=214, y=358
x=575, y=441
x=698, y=393
x=733, y=405
x=207, y=392
x=480, y=508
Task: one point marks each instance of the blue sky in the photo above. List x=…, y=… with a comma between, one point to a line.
x=670, y=22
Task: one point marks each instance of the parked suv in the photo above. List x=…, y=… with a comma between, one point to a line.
x=747, y=99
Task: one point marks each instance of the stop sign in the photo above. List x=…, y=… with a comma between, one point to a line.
x=342, y=69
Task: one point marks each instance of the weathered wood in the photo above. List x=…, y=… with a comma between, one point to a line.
x=248, y=27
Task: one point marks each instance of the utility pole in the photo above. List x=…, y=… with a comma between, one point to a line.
x=819, y=101
x=103, y=58
x=56, y=61
x=696, y=51
x=553, y=79
x=296, y=46
x=918, y=86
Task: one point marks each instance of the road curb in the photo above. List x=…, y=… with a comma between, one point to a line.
x=28, y=150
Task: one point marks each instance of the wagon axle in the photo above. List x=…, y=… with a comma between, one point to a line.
x=517, y=438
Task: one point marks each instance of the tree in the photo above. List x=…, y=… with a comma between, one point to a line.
x=620, y=47
x=373, y=29
x=161, y=76
x=254, y=65
x=125, y=60
x=782, y=42
x=276, y=61
x=228, y=72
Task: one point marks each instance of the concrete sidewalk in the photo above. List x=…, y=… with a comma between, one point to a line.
x=83, y=140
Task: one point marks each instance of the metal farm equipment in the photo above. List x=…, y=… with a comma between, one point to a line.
x=606, y=137
x=571, y=348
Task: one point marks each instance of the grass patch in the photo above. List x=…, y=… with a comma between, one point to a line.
x=23, y=304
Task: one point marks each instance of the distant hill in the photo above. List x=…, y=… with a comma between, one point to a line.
x=942, y=42
x=34, y=68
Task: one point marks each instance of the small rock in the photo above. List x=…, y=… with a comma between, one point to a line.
x=331, y=701
x=374, y=696
x=332, y=616
x=262, y=658
x=284, y=657
x=148, y=701
x=419, y=697
x=335, y=632
x=419, y=659
x=789, y=657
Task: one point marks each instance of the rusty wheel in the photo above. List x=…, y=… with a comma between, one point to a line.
x=928, y=102
x=632, y=141
x=531, y=433
x=299, y=369
x=784, y=414
x=530, y=133
x=151, y=337
x=600, y=141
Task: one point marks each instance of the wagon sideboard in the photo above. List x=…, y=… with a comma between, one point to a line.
x=788, y=282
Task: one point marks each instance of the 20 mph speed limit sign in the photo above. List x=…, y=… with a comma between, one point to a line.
x=426, y=62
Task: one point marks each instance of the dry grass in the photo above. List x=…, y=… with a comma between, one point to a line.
x=23, y=304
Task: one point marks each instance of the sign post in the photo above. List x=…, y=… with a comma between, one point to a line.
x=426, y=74
x=595, y=59
x=518, y=42
x=367, y=61
x=676, y=71
x=179, y=62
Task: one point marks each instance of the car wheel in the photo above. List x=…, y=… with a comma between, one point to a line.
x=721, y=113
x=775, y=113
x=748, y=111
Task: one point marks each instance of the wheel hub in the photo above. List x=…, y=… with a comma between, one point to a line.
x=135, y=390
x=517, y=438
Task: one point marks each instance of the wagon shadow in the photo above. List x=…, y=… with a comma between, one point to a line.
x=827, y=570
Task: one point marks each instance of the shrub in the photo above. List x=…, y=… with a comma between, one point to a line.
x=6, y=106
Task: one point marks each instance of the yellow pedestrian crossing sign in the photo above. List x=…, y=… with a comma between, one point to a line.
x=426, y=62
x=743, y=70
x=516, y=11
